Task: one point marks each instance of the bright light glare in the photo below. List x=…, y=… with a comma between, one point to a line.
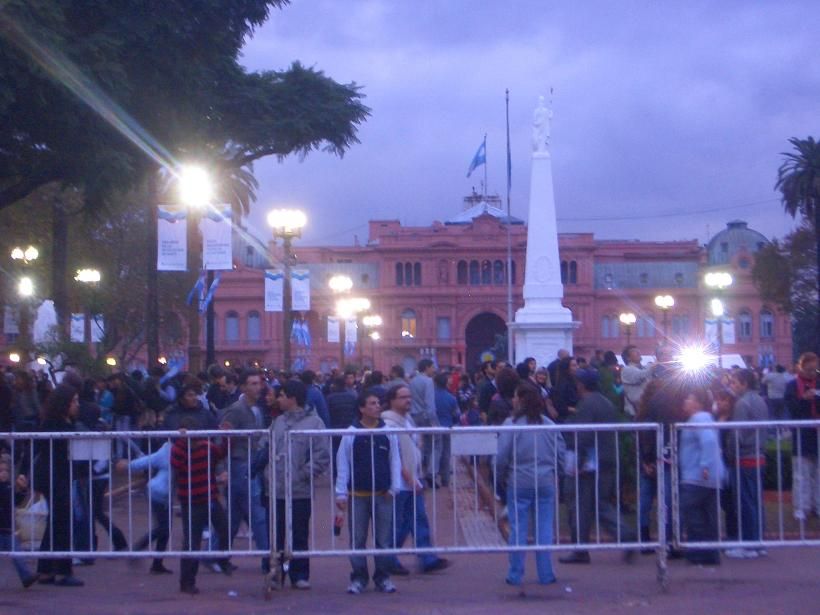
x=195, y=187
x=162, y=360
x=31, y=253
x=372, y=320
x=665, y=301
x=694, y=359
x=718, y=279
x=26, y=287
x=88, y=275
x=340, y=283
x=375, y=336
x=717, y=307
x=17, y=254
x=627, y=318
x=287, y=221
x=111, y=362
x=41, y=361
x=14, y=357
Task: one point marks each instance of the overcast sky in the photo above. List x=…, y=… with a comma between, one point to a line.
x=669, y=118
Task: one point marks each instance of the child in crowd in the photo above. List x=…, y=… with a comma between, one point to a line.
x=10, y=497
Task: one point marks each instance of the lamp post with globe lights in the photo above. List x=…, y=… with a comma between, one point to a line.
x=287, y=224
x=350, y=308
x=665, y=303
x=627, y=319
x=340, y=285
x=718, y=281
x=24, y=257
x=371, y=322
x=90, y=278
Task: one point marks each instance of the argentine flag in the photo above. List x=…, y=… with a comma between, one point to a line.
x=479, y=158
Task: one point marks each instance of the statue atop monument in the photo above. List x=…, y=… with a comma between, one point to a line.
x=542, y=118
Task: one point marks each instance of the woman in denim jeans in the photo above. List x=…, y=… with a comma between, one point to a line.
x=526, y=462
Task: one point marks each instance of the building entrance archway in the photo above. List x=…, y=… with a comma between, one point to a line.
x=480, y=336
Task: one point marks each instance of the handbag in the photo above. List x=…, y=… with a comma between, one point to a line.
x=30, y=522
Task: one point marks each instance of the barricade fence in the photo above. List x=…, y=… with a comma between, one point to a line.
x=575, y=488
x=744, y=487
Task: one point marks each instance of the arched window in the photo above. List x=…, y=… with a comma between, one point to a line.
x=231, y=327
x=417, y=274
x=408, y=274
x=254, y=326
x=766, y=324
x=605, y=326
x=399, y=274
x=408, y=324
x=573, y=272
x=564, y=272
x=475, y=274
x=744, y=325
x=498, y=273
x=486, y=272
x=462, y=272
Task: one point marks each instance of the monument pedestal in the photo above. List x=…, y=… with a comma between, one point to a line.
x=541, y=334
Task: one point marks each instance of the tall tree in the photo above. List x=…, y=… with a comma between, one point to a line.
x=798, y=181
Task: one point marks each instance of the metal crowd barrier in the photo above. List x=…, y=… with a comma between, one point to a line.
x=749, y=510
x=474, y=522
x=95, y=488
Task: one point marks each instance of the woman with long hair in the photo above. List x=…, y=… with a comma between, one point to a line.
x=52, y=479
x=565, y=391
x=527, y=464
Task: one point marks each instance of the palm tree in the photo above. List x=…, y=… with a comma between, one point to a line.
x=798, y=181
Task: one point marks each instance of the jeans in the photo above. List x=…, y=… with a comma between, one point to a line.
x=649, y=491
x=85, y=536
x=300, y=518
x=122, y=422
x=583, y=506
x=440, y=460
x=363, y=508
x=8, y=542
x=745, y=492
x=520, y=504
x=247, y=505
x=195, y=519
x=805, y=485
x=427, y=463
x=161, y=529
x=699, y=512
x=411, y=518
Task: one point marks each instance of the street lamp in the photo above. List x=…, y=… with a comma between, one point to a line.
x=718, y=281
x=26, y=255
x=14, y=357
x=371, y=322
x=287, y=224
x=665, y=303
x=89, y=277
x=111, y=362
x=340, y=285
x=25, y=288
x=195, y=186
x=347, y=308
x=627, y=320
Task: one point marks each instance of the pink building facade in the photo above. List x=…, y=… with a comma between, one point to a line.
x=441, y=291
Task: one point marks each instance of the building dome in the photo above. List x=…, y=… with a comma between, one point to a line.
x=736, y=237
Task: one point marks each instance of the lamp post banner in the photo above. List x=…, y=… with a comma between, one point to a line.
x=217, y=252
x=274, y=290
x=300, y=290
x=97, y=328
x=728, y=330
x=78, y=327
x=172, y=241
x=332, y=330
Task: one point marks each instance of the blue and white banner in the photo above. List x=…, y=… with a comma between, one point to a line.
x=351, y=335
x=300, y=290
x=300, y=333
x=203, y=304
x=727, y=331
x=97, y=328
x=217, y=251
x=197, y=289
x=333, y=330
x=172, y=239
x=479, y=158
x=78, y=327
x=274, y=290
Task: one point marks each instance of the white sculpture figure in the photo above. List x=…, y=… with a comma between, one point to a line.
x=541, y=127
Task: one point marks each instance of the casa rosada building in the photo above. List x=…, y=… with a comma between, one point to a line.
x=441, y=293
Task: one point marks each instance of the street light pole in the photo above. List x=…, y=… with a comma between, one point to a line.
x=627, y=320
x=339, y=285
x=665, y=302
x=718, y=281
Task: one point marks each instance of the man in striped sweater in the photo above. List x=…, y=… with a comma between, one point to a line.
x=194, y=462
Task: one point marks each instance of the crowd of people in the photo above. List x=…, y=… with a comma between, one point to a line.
x=379, y=480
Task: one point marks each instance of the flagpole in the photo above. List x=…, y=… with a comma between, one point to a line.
x=485, y=167
x=509, y=236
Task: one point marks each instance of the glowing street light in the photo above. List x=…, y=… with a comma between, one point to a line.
x=111, y=362
x=195, y=186
x=665, y=303
x=718, y=280
x=14, y=357
x=287, y=222
x=340, y=283
x=26, y=255
x=371, y=322
x=716, y=305
x=41, y=361
x=162, y=361
x=88, y=276
x=627, y=320
x=25, y=288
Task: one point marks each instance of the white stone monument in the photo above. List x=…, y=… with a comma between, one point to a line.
x=543, y=325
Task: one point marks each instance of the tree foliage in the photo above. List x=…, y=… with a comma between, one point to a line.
x=785, y=273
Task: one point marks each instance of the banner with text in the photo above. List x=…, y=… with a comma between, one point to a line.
x=217, y=252
x=172, y=240
x=727, y=331
x=97, y=328
x=274, y=290
x=333, y=330
x=300, y=290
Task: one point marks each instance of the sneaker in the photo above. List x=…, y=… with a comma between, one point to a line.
x=439, y=564
x=302, y=584
x=30, y=580
x=386, y=587
x=160, y=569
x=355, y=587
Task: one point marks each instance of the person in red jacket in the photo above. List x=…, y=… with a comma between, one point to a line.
x=193, y=461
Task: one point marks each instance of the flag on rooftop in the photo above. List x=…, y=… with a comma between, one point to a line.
x=479, y=158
